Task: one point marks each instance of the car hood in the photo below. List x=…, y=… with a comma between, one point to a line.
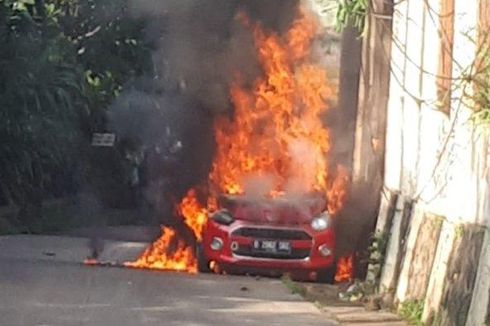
x=280, y=211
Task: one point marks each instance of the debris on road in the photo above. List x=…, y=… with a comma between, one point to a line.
x=95, y=262
x=49, y=253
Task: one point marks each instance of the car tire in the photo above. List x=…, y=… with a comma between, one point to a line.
x=326, y=275
x=202, y=261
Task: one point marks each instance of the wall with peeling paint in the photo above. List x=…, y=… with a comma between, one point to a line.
x=437, y=164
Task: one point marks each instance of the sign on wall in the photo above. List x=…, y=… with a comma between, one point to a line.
x=103, y=139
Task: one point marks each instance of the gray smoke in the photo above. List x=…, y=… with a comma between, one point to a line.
x=166, y=118
x=200, y=46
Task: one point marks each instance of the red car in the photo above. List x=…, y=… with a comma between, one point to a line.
x=274, y=236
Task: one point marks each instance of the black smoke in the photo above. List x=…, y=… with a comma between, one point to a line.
x=165, y=119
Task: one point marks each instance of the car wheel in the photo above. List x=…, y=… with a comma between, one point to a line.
x=202, y=261
x=326, y=275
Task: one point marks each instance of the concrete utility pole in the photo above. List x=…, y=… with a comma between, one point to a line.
x=371, y=105
x=350, y=69
x=368, y=162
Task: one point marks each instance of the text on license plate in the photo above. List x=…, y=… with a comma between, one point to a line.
x=272, y=246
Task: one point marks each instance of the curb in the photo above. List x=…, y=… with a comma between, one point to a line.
x=326, y=298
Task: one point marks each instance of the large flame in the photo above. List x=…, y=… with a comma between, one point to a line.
x=193, y=213
x=276, y=136
x=167, y=253
x=276, y=131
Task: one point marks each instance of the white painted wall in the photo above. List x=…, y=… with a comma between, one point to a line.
x=388, y=280
x=436, y=281
x=479, y=303
x=437, y=159
x=431, y=156
x=431, y=186
x=393, y=154
x=459, y=199
x=403, y=280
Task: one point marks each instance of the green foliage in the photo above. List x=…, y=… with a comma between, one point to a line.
x=352, y=12
x=480, y=82
x=40, y=89
x=412, y=312
x=459, y=231
x=368, y=289
x=62, y=62
x=109, y=45
x=111, y=48
x=377, y=251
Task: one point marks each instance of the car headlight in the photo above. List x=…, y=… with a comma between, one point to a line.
x=321, y=222
x=223, y=217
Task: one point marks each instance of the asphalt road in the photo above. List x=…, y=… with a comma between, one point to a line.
x=48, y=287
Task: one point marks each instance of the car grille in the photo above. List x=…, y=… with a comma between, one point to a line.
x=276, y=234
x=294, y=254
x=272, y=234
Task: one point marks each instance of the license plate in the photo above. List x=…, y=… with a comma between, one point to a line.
x=272, y=246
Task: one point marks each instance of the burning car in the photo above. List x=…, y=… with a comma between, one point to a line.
x=273, y=144
x=274, y=235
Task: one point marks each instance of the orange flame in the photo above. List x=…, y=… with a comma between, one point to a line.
x=337, y=193
x=195, y=216
x=345, y=269
x=167, y=253
x=276, y=133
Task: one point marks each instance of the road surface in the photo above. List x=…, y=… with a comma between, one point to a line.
x=42, y=283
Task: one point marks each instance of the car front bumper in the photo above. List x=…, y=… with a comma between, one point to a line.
x=237, y=242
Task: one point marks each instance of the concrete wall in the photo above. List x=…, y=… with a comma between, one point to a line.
x=437, y=163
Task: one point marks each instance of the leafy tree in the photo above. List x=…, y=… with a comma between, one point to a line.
x=352, y=12
x=111, y=48
x=40, y=90
x=62, y=62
